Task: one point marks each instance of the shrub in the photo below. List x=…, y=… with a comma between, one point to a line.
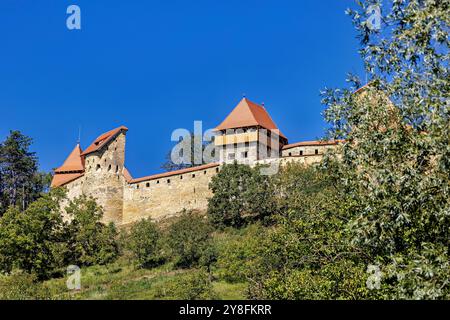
x=194, y=285
x=238, y=256
x=22, y=286
x=90, y=241
x=144, y=243
x=33, y=240
x=188, y=238
x=241, y=195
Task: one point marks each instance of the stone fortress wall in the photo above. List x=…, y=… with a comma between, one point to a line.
x=100, y=170
x=162, y=196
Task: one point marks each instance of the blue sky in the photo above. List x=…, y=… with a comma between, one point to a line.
x=156, y=66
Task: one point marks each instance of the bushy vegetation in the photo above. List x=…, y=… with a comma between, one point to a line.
x=23, y=286
x=189, y=239
x=241, y=196
x=20, y=181
x=38, y=241
x=371, y=221
x=144, y=242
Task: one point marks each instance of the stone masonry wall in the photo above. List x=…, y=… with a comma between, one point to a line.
x=161, y=198
x=104, y=180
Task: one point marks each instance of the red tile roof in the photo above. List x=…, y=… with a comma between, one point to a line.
x=60, y=179
x=103, y=140
x=312, y=143
x=74, y=162
x=72, y=169
x=248, y=114
x=176, y=172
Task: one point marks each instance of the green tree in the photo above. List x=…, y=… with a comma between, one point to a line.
x=395, y=165
x=89, y=240
x=20, y=182
x=144, y=243
x=307, y=254
x=33, y=240
x=240, y=195
x=189, y=238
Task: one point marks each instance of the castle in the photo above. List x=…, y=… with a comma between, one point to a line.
x=247, y=135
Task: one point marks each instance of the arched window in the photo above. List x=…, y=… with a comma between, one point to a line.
x=109, y=168
x=117, y=169
x=98, y=168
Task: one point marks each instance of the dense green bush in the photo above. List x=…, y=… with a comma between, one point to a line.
x=238, y=254
x=143, y=241
x=193, y=285
x=189, y=238
x=33, y=240
x=22, y=286
x=395, y=163
x=89, y=241
x=307, y=254
x=38, y=241
x=240, y=195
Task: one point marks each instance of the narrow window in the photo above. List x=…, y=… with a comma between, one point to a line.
x=98, y=167
x=317, y=151
x=245, y=154
x=193, y=176
x=109, y=168
x=217, y=169
x=301, y=152
x=137, y=186
x=117, y=169
x=157, y=182
x=181, y=177
x=204, y=172
x=290, y=154
x=168, y=181
x=148, y=185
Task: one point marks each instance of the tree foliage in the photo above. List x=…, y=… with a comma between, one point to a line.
x=189, y=239
x=20, y=181
x=143, y=241
x=38, y=241
x=90, y=241
x=307, y=254
x=395, y=162
x=32, y=240
x=240, y=195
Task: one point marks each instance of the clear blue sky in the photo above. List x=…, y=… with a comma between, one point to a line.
x=156, y=66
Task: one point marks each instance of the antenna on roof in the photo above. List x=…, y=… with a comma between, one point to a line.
x=79, y=135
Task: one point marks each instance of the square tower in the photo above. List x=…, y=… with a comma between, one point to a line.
x=248, y=134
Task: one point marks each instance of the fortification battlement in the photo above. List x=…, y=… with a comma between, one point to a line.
x=248, y=135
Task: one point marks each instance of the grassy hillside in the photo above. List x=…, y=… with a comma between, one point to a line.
x=123, y=280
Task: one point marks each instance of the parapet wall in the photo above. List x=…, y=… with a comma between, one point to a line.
x=164, y=197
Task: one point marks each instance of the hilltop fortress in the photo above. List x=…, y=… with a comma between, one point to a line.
x=247, y=135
